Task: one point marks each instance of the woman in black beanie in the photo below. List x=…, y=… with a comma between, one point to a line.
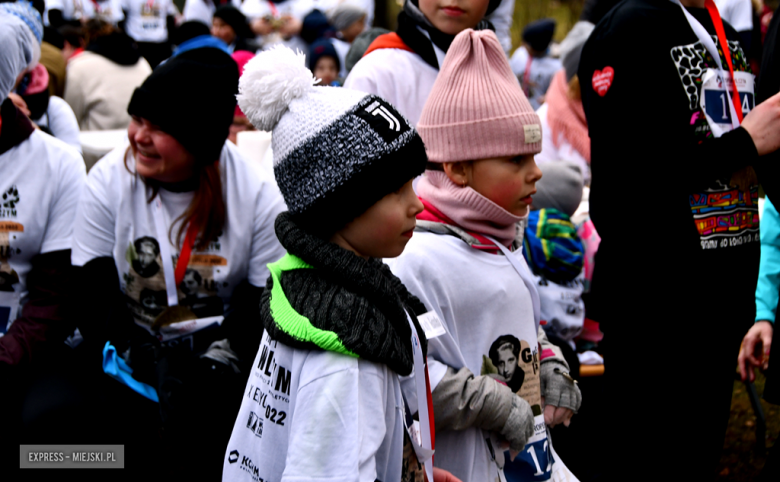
x=183, y=226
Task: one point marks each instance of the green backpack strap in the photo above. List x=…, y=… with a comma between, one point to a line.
x=290, y=321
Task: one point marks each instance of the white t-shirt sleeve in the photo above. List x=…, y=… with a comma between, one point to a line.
x=338, y=426
x=501, y=19
x=63, y=123
x=265, y=245
x=70, y=182
x=93, y=229
x=738, y=13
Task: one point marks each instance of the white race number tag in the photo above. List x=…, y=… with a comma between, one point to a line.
x=431, y=324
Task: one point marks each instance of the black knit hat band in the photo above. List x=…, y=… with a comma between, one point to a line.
x=341, y=171
x=192, y=98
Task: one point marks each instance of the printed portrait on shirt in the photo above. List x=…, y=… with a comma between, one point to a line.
x=504, y=354
x=516, y=363
x=145, y=288
x=145, y=259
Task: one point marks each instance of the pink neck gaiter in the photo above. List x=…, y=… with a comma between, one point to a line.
x=467, y=208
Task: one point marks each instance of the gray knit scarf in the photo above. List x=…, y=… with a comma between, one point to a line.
x=359, y=300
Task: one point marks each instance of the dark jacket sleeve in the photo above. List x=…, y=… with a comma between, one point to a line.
x=44, y=318
x=105, y=316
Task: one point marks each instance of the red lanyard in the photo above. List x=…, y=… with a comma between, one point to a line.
x=724, y=45
x=527, y=75
x=186, y=251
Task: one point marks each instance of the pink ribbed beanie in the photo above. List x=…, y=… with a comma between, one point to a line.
x=477, y=109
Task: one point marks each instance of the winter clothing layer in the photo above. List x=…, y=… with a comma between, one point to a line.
x=165, y=99
x=561, y=149
x=711, y=245
x=323, y=48
x=560, y=187
x=768, y=285
x=467, y=208
x=18, y=48
x=566, y=117
x=552, y=248
x=348, y=148
x=101, y=82
x=499, y=116
x=375, y=327
x=539, y=34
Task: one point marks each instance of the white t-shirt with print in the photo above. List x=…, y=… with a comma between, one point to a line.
x=40, y=183
x=486, y=310
x=146, y=19
x=203, y=10
x=311, y=415
x=115, y=219
x=108, y=10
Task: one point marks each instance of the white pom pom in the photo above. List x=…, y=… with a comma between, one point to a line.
x=270, y=81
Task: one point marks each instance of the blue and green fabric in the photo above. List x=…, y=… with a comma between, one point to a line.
x=552, y=247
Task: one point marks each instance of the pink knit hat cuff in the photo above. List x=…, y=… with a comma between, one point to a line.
x=514, y=135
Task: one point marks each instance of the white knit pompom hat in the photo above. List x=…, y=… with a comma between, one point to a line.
x=336, y=151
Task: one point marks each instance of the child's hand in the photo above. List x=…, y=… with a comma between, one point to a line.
x=519, y=427
x=757, y=340
x=560, y=392
x=441, y=475
x=555, y=415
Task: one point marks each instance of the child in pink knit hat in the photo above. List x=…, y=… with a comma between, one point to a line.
x=496, y=380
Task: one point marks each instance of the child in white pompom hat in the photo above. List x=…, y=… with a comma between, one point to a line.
x=324, y=401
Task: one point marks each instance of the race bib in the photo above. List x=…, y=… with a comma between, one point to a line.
x=716, y=95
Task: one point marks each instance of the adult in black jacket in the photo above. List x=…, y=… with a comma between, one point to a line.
x=675, y=203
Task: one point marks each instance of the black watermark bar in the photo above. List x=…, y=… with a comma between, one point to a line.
x=71, y=456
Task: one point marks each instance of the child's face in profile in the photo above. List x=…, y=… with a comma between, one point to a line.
x=507, y=181
x=326, y=70
x=383, y=230
x=454, y=16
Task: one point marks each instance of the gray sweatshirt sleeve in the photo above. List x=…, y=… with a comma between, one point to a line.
x=461, y=400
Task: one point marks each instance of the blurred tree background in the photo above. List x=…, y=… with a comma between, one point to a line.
x=565, y=13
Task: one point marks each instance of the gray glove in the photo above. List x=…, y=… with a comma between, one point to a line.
x=558, y=387
x=519, y=427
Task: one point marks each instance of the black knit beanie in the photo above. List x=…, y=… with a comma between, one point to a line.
x=237, y=21
x=192, y=97
x=322, y=48
x=539, y=34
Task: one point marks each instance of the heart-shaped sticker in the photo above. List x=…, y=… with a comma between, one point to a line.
x=602, y=80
